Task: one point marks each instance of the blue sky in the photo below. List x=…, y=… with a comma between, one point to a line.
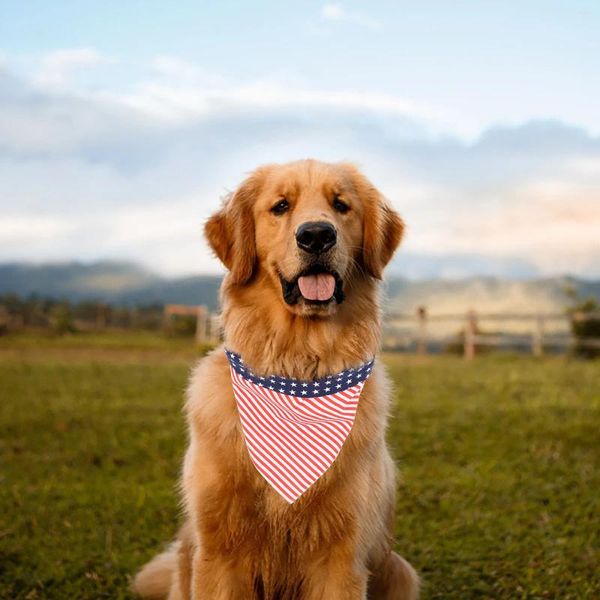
x=122, y=123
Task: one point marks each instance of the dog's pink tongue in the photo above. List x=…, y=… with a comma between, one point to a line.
x=317, y=287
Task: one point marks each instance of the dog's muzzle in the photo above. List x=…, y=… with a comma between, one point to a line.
x=316, y=285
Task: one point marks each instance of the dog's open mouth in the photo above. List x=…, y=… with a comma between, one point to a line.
x=316, y=285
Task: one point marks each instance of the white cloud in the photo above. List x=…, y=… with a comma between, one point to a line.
x=56, y=67
x=132, y=174
x=175, y=67
x=551, y=223
x=186, y=101
x=27, y=228
x=336, y=12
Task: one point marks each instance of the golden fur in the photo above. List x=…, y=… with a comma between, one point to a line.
x=242, y=541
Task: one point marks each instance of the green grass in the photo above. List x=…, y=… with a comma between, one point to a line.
x=500, y=460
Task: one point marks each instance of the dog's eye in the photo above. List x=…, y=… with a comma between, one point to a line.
x=280, y=207
x=340, y=205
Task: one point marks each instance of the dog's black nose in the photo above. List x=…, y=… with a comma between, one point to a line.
x=316, y=237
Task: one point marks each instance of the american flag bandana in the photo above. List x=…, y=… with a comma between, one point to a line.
x=295, y=429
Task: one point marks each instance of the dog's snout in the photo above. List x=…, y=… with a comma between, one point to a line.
x=316, y=237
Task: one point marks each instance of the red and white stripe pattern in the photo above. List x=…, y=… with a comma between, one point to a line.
x=294, y=429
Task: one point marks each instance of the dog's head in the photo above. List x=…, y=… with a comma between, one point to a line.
x=311, y=228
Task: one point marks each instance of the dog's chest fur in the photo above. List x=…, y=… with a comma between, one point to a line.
x=240, y=514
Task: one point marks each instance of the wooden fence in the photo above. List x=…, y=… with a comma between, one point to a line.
x=421, y=332
x=208, y=325
x=470, y=337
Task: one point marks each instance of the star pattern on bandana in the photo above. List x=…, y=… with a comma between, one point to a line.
x=306, y=389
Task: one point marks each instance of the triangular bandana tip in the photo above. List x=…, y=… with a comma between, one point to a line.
x=294, y=429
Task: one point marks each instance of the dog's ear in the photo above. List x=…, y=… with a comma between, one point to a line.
x=383, y=229
x=382, y=225
x=230, y=231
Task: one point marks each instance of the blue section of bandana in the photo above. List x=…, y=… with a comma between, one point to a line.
x=332, y=384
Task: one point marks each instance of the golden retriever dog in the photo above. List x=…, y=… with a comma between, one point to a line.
x=305, y=244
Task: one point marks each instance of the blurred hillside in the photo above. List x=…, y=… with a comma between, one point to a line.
x=129, y=284
x=488, y=294
x=108, y=281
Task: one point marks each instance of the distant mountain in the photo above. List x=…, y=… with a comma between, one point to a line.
x=74, y=280
x=126, y=283
x=455, y=265
x=108, y=281
x=487, y=294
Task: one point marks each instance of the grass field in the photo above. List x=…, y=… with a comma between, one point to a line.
x=500, y=460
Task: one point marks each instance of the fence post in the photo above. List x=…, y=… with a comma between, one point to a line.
x=470, y=333
x=201, y=319
x=166, y=321
x=214, y=328
x=422, y=333
x=101, y=316
x=537, y=337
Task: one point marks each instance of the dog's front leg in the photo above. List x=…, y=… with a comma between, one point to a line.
x=335, y=575
x=220, y=579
